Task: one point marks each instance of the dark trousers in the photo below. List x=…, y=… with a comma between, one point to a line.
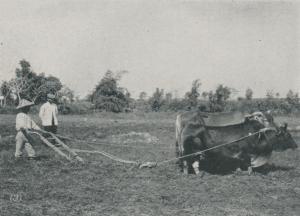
x=52, y=129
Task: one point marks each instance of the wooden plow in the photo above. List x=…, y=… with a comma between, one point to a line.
x=59, y=147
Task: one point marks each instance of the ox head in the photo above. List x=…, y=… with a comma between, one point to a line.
x=282, y=139
x=259, y=117
x=257, y=120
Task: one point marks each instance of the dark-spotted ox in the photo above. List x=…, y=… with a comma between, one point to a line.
x=197, y=131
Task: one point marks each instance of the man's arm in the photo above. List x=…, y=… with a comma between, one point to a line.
x=42, y=111
x=56, y=110
x=34, y=125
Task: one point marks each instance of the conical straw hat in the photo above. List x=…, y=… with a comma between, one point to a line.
x=24, y=103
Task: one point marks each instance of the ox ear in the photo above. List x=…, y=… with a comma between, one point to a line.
x=284, y=126
x=248, y=115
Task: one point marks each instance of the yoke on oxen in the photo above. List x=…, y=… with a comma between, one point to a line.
x=224, y=119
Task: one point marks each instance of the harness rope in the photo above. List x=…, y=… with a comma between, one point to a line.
x=112, y=157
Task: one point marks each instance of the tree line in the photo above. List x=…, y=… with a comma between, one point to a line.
x=109, y=96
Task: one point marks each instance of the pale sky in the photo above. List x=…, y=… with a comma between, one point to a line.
x=165, y=44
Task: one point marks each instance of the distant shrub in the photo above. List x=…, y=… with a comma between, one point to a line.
x=193, y=95
x=157, y=100
x=218, y=98
x=176, y=105
x=108, y=96
x=277, y=105
x=79, y=107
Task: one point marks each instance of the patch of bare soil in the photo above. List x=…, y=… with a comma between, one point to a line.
x=134, y=137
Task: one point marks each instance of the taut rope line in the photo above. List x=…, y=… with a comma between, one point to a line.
x=112, y=157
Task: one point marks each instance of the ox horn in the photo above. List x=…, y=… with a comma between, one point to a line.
x=285, y=125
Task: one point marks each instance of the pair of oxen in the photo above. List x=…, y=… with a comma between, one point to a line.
x=240, y=141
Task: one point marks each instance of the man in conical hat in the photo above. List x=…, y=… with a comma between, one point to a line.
x=24, y=122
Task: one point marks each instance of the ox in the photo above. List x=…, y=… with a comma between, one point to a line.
x=197, y=131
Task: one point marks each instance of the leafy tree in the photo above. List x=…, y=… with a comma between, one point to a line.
x=108, y=95
x=205, y=95
x=66, y=95
x=169, y=97
x=217, y=99
x=222, y=93
x=270, y=94
x=292, y=98
x=6, y=93
x=25, y=70
x=143, y=96
x=157, y=99
x=270, y=103
x=249, y=94
x=29, y=85
x=45, y=85
x=193, y=95
x=130, y=101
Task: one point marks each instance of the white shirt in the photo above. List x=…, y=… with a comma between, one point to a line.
x=24, y=121
x=48, y=112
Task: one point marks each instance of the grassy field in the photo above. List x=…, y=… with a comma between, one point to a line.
x=100, y=186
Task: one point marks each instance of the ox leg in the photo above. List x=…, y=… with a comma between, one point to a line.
x=185, y=167
x=189, y=167
x=250, y=170
x=238, y=170
x=180, y=163
x=195, y=166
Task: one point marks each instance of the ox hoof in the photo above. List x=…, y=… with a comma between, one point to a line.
x=202, y=174
x=238, y=171
x=195, y=166
x=250, y=171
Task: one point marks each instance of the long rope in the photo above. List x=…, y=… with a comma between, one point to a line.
x=112, y=157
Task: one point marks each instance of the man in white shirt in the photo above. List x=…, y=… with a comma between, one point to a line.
x=24, y=122
x=48, y=114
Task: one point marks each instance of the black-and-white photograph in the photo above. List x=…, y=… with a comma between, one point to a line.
x=149, y=107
